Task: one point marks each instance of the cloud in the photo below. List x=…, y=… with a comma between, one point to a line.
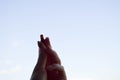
x=14, y=70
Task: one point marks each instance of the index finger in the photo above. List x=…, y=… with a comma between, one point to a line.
x=42, y=37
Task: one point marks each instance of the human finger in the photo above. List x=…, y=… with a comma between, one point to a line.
x=47, y=42
x=42, y=38
x=41, y=45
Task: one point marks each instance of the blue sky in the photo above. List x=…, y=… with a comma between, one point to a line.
x=85, y=33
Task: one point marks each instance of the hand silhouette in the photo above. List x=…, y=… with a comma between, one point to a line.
x=48, y=66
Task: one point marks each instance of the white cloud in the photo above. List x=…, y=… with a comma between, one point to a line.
x=14, y=70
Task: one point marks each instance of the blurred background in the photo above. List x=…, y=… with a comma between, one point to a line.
x=84, y=33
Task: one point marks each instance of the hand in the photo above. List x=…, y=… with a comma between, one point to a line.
x=48, y=66
x=53, y=66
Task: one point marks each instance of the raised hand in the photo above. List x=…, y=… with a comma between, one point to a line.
x=48, y=66
x=53, y=66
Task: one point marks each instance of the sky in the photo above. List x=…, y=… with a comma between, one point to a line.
x=84, y=33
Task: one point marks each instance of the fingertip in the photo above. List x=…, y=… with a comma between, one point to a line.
x=47, y=38
x=48, y=41
x=42, y=37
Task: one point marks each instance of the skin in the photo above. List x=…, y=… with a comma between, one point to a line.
x=48, y=66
